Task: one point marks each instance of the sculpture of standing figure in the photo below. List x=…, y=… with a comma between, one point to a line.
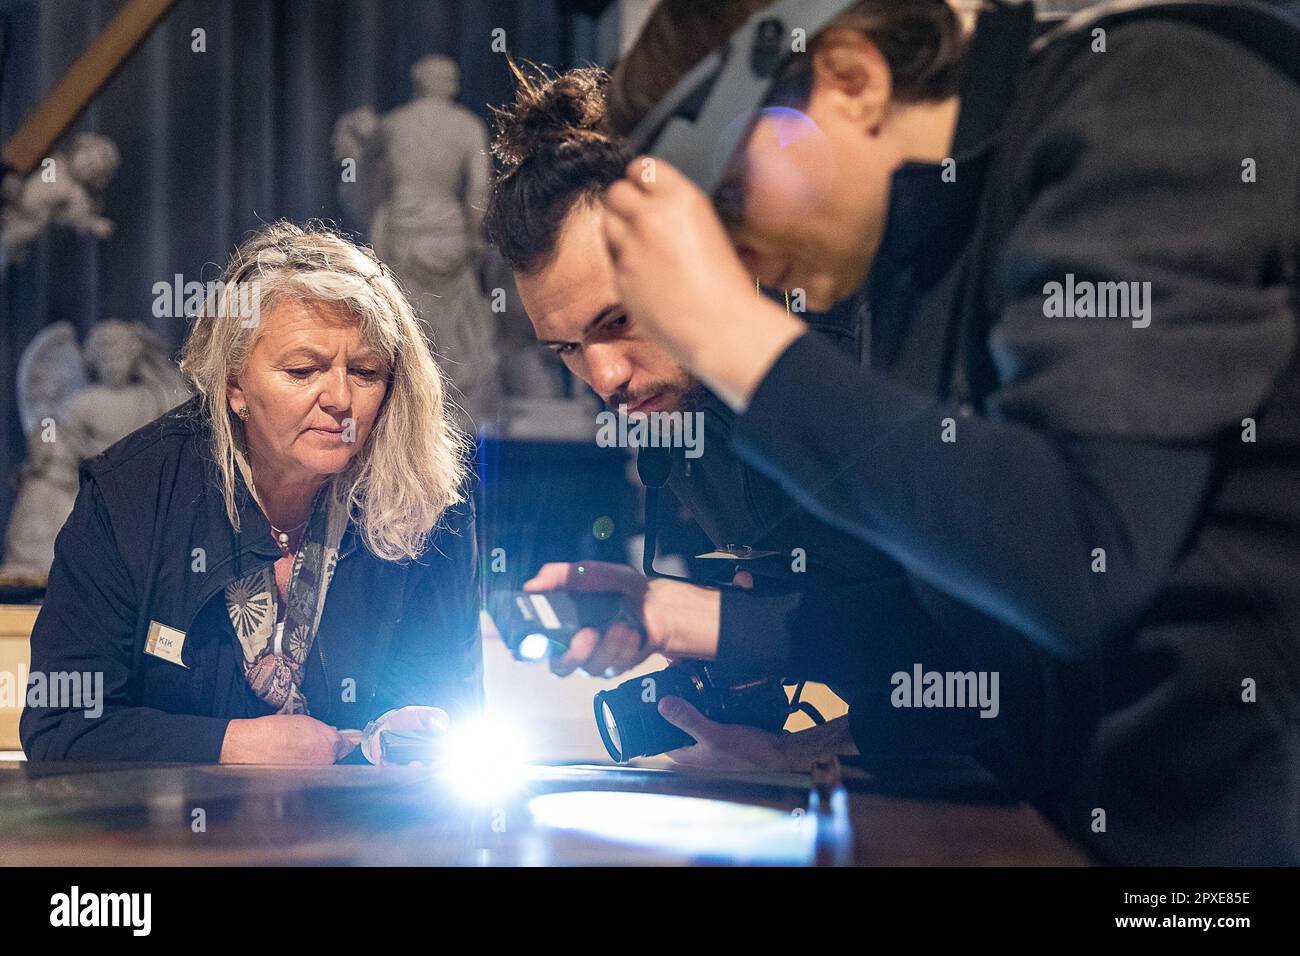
x=427, y=219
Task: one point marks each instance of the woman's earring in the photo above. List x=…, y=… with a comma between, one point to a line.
x=242, y=413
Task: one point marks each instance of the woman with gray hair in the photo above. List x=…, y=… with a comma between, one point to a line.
x=289, y=553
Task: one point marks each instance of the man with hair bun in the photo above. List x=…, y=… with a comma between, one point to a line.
x=555, y=159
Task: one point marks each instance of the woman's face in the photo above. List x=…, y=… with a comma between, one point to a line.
x=313, y=389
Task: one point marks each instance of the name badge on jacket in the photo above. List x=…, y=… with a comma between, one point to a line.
x=165, y=642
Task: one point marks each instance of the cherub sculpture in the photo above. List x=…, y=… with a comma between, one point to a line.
x=66, y=189
x=75, y=402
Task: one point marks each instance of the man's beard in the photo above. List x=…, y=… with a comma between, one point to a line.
x=688, y=392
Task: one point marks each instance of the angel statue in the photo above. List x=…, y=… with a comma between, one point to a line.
x=66, y=189
x=422, y=175
x=75, y=402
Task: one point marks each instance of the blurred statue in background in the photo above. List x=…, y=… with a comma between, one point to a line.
x=527, y=371
x=422, y=174
x=74, y=402
x=356, y=142
x=66, y=189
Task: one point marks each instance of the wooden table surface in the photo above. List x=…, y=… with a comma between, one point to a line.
x=921, y=812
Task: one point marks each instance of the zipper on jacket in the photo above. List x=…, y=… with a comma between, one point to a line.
x=325, y=674
x=344, y=551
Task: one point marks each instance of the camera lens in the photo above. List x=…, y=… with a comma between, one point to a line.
x=609, y=731
x=630, y=725
x=628, y=715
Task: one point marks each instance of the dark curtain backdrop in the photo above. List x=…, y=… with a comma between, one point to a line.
x=215, y=143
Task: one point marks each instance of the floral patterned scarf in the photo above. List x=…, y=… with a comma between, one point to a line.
x=275, y=653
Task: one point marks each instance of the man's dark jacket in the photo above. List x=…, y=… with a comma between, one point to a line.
x=149, y=540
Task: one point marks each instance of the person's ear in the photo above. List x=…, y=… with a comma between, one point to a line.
x=235, y=396
x=851, y=78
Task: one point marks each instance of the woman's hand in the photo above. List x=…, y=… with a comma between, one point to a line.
x=411, y=719
x=283, y=739
x=676, y=619
x=680, y=278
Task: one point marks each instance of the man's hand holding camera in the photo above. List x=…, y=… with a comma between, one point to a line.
x=725, y=746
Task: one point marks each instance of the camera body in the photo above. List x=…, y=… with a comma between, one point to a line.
x=630, y=724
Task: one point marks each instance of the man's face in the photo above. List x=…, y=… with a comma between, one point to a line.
x=814, y=205
x=574, y=306
x=816, y=182
x=309, y=372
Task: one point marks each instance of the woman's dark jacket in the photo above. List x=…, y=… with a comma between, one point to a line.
x=149, y=540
